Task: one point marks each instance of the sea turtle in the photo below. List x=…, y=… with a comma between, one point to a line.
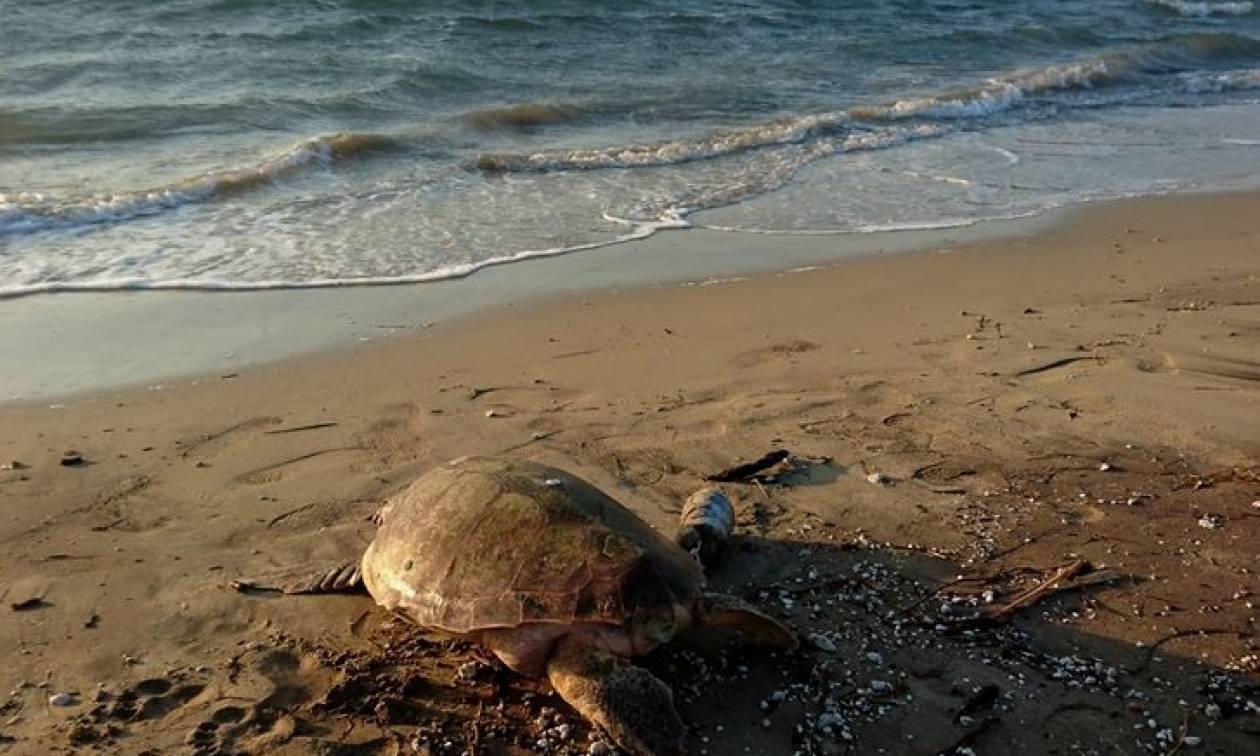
x=553, y=576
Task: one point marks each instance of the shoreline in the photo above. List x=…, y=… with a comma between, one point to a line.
x=64, y=346
x=178, y=335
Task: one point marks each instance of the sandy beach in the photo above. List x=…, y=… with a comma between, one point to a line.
x=962, y=421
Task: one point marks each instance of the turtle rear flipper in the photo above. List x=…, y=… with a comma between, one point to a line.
x=337, y=577
x=627, y=702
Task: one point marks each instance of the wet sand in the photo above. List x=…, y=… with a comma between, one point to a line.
x=963, y=421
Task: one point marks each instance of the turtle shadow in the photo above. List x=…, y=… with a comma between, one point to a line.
x=888, y=661
x=881, y=666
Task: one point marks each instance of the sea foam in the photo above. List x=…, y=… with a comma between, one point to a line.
x=30, y=212
x=1201, y=9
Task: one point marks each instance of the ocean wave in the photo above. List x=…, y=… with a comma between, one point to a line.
x=30, y=212
x=1185, y=64
x=86, y=123
x=998, y=95
x=775, y=133
x=1203, y=9
x=762, y=179
x=1223, y=81
x=1005, y=92
x=522, y=115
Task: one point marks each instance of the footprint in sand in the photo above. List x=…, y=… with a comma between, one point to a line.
x=148, y=700
x=276, y=681
x=153, y=698
x=216, y=733
x=788, y=351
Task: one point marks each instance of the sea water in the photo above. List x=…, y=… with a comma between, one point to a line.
x=243, y=144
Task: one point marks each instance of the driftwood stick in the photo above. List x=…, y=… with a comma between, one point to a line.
x=1000, y=614
x=1182, y=732
x=299, y=428
x=1052, y=365
x=1153, y=648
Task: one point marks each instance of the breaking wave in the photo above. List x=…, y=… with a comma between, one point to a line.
x=25, y=212
x=772, y=152
x=780, y=132
x=1203, y=9
x=998, y=95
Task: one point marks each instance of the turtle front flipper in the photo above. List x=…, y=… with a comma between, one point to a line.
x=338, y=577
x=627, y=702
x=716, y=610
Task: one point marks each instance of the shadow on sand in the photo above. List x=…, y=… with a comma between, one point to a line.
x=882, y=669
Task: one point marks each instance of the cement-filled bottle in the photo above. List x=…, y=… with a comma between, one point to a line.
x=705, y=526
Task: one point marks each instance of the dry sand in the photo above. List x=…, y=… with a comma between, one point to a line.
x=1092, y=392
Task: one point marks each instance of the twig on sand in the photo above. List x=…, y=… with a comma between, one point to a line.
x=34, y=602
x=186, y=450
x=1028, y=541
x=299, y=458
x=1154, y=647
x=287, y=514
x=1000, y=614
x=1052, y=365
x=746, y=470
x=298, y=428
x=532, y=440
x=305, y=507
x=937, y=591
x=1182, y=732
x=830, y=584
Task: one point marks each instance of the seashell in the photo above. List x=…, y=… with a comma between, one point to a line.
x=63, y=699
